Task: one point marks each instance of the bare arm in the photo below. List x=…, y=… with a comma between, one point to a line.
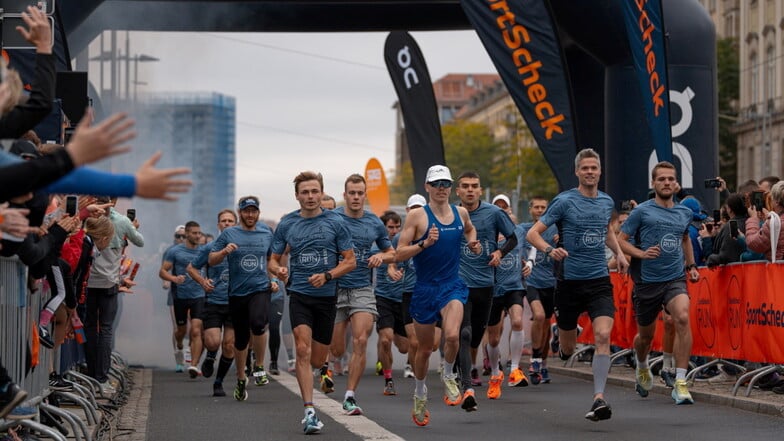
x=386, y=256
x=469, y=232
x=688, y=255
x=411, y=230
x=196, y=275
x=612, y=241
x=166, y=275
x=217, y=257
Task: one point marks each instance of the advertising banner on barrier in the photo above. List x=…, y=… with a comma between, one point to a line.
x=407, y=68
x=645, y=30
x=523, y=43
x=734, y=313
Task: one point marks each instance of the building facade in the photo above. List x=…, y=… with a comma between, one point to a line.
x=760, y=127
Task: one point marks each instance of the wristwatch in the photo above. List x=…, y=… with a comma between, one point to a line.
x=327, y=276
x=421, y=244
x=548, y=250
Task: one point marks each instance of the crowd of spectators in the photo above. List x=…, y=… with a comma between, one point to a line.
x=51, y=217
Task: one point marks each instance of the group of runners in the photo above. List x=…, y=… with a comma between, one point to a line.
x=444, y=278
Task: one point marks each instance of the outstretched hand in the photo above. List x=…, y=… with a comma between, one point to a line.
x=91, y=143
x=155, y=183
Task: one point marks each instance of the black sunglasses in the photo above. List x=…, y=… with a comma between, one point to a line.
x=179, y=236
x=441, y=183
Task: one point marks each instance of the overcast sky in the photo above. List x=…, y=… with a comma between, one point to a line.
x=304, y=101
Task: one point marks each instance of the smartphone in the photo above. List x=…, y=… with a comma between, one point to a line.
x=758, y=200
x=716, y=216
x=708, y=227
x=712, y=183
x=71, y=203
x=131, y=213
x=626, y=206
x=734, y=228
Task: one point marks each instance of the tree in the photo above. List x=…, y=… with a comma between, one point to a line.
x=470, y=146
x=729, y=89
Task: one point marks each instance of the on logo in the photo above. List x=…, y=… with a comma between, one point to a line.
x=682, y=100
x=404, y=61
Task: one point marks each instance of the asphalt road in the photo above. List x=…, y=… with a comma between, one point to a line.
x=183, y=409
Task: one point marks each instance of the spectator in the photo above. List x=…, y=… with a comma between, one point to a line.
x=758, y=237
x=697, y=219
x=766, y=183
x=728, y=249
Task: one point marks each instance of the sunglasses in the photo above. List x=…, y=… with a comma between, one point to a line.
x=179, y=236
x=441, y=183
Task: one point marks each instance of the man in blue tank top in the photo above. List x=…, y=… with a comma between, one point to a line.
x=189, y=296
x=477, y=271
x=662, y=227
x=217, y=316
x=582, y=216
x=247, y=247
x=356, y=303
x=321, y=251
x=432, y=237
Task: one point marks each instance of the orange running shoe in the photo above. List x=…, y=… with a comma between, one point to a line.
x=517, y=378
x=494, y=386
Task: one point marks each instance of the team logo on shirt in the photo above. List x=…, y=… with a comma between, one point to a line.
x=593, y=238
x=309, y=258
x=508, y=262
x=224, y=276
x=669, y=243
x=249, y=262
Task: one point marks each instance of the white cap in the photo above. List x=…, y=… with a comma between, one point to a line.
x=179, y=227
x=416, y=200
x=438, y=173
x=502, y=197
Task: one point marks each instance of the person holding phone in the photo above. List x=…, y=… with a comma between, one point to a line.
x=665, y=250
x=758, y=225
x=726, y=247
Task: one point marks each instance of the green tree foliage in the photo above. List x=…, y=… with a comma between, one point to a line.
x=729, y=90
x=471, y=146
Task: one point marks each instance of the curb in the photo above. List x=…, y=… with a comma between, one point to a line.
x=739, y=402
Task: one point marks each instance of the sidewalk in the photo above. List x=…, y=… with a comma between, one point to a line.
x=759, y=401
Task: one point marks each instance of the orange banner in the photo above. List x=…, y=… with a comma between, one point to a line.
x=734, y=313
x=377, y=190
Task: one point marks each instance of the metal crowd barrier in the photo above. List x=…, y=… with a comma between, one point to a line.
x=19, y=310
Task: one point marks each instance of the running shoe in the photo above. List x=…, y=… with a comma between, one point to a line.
x=311, y=424
x=208, y=367
x=680, y=393
x=292, y=365
x=260, y=376
x=469, y=401
x=240, y=392
x=494, y=386
x=408, y=372
x=644, y=381
x=451, y=390
x=10, y=397
x=420, y=414
x=350, y=407
x=217, y=390
x=475, y=380
x=379, y=368
x=535, y=371
x=179, y=368
x=517, y=378
x=44, y=338
x=668, y=378
x=389, y=388
x=327, y=384
x=57, y=383
x=193, y=371
x=486, y=367
x=599, y=411
x=274, y=368
x=179, y=360
x=545, y=375
x=555, y=343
